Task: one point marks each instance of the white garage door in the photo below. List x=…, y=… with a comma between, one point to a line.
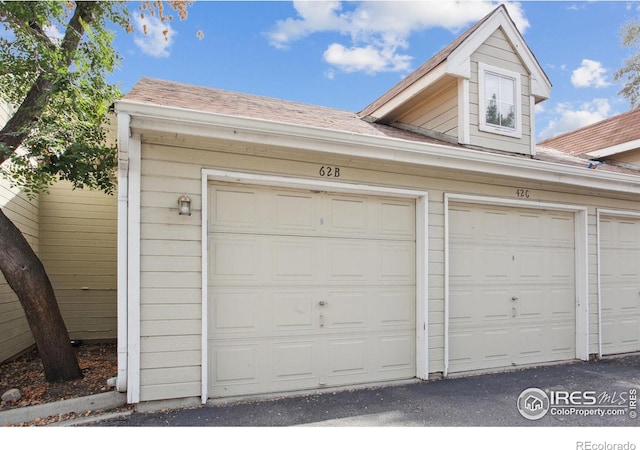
x=620, y=284
x=511, y=278
x=308, y=289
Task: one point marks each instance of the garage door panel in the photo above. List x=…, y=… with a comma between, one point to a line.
x=620, y=284
x=293, y=310
x=397, y=219
x=461, y=308
x=293, y=359
x=347, y=356
x=347, y=309
x=235, y=209
x=496, y=227
x=495, y=266
x=295, y=212
x=629, y=233
x=562, y=336
x=630, y=331
x=397, y=263
x=559, y=265
x=235, y=363
x=462, y=265
x=530, y=341
x=349, y=261
x=629, y=299
x=562, y=303
x=530, y=264
x=511, y=286
x=495, y=344
x=530, y=304
x=395, y=308
x=492, y=304
x=235, y=258
x=628, y=264
x=234, y=311
x=561, y=231
x=462, y=224
x=320, y=292
x=396, y=352
x=294, y=261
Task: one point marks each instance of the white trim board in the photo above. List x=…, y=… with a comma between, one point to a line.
x=133, y=269
x=422, y=255
x=581, y=262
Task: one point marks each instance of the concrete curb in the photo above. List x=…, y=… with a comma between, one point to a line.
x=107, y=400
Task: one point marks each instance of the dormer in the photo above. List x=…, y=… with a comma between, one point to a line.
x=480, y=90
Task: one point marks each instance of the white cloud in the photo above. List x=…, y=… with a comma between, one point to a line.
x=378, y=31
x=590, y=74
x=569, y=118
x=153, y=36
x=367, y=59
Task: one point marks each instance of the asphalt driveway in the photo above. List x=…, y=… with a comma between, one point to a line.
x=591, y=394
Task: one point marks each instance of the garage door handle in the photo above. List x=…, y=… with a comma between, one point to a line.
x=322, y=303
x=514, y=298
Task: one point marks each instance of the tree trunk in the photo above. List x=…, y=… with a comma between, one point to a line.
x=25, y=274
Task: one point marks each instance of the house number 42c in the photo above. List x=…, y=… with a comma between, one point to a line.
x=329, y=171
x=522, y=193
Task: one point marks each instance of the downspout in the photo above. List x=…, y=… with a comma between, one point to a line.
x=123, y=206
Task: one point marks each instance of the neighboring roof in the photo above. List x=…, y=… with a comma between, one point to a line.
x=459, y=52
x=614, y=135
x=204, y=99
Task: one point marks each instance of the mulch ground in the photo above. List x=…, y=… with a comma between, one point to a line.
x=98, y=363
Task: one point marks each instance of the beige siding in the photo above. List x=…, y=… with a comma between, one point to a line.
x=170, y=293
x=497, y=51
x=632, y=157
x=438, y=113
x=78, y=249
x=15, y=335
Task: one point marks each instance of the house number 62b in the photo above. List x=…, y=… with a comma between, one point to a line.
x=329, y=171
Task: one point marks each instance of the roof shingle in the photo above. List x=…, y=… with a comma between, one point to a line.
x=604, y=134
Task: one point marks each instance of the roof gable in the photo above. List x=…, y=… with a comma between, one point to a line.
x=454, y=60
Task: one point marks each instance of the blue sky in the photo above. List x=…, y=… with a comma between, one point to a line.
x=346, y=54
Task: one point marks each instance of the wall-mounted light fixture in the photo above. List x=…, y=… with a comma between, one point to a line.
x=184, y=205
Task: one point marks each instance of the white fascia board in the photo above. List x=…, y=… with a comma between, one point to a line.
x=306, y=138
x=615, y=149
x=410, y=91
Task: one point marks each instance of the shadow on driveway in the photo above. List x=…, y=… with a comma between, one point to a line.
x=472, y=401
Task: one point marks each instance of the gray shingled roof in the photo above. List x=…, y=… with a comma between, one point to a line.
x=198, y=98
x=205, y=99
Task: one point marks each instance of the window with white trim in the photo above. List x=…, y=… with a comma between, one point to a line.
x=499, y=101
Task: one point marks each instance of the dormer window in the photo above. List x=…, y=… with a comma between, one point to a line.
x=499, y=101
